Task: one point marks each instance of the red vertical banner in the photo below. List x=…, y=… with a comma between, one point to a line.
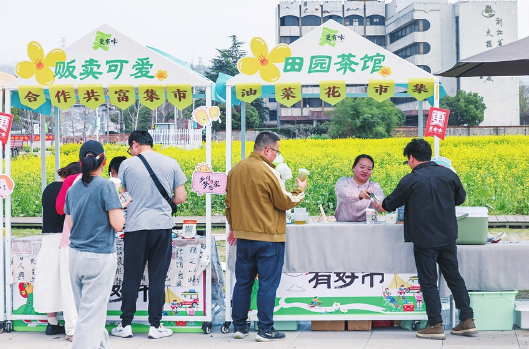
x=437, y=123
x=5, y=126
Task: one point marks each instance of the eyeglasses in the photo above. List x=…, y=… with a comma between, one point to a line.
x=128, y=151
x=277, y=151
x=407, y=162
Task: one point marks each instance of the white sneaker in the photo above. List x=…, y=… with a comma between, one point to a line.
x=160, y=332
x=123, y=332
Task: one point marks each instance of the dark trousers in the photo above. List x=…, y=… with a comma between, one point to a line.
x=446, y=256
x=141, y=246
x=265, y=259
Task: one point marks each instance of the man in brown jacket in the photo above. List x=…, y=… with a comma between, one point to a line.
x=256, y=201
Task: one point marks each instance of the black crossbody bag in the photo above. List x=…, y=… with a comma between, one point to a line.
x=159, y=185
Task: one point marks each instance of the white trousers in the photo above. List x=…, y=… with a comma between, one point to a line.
x=47, y=284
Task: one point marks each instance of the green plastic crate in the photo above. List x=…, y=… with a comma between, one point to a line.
x=472, y=224
x=493, y=311
x=282, y=325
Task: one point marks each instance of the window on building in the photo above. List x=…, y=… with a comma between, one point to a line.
x=402, y=100
x=457, y=39
x=380, y=40
x=288, y=39
x=418, y=48
x=376, y=20
x=271, y=100
x=289, y=21
x=296, y=105
x=311, y=103
x=272, y=115
x=338, y=19
x=425, y=68
x=311, y=20
x=354, y=20
x=420, y=25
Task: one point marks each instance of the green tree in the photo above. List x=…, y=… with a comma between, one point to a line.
x=137, y=117
x=364, y=118
x=466, y=108
x=226, y=62
x=524, y=105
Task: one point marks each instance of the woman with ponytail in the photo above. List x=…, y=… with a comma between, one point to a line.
x=93, y=213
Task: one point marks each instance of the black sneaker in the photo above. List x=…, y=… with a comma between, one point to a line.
x=271, y=335
x=52, y=330
x=240, y=334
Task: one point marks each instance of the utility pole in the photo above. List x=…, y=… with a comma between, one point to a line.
x=108, y=117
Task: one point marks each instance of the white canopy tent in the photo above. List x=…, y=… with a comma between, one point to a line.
x=322, y=56
x=117, y=61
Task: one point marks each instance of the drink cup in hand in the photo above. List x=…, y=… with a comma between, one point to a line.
x=303, y=174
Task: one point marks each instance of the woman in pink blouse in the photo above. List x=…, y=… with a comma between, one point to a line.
x=353, y=192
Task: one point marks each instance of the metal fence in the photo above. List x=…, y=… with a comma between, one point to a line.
x=187, y=138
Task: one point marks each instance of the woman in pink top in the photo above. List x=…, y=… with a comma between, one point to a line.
x=353, y=192
x=68, y=302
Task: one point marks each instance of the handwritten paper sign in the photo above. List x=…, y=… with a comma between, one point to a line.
x=205, y=181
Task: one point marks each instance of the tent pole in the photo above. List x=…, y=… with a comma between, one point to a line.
x=243, y=130
x=228, y=283
x=57, y=143
x=228, y=128
x=7, y=260
x=2, y=289
x=43, y=150
x=436, y=105
x=420, y=119
x=208, y=210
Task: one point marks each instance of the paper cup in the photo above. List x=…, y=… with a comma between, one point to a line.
x=371, y=216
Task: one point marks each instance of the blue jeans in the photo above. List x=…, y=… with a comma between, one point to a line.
x=265, y=259
x=446, y=256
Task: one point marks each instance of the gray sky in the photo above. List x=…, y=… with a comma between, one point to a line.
x=187, y=29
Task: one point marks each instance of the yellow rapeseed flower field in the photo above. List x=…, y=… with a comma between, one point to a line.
x=493, y=170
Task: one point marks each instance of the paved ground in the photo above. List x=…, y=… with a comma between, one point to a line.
x=391, y=338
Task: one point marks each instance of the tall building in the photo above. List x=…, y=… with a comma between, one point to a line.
x=432, y=34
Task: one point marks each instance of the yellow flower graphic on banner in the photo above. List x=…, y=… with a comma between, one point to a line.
x=161, y=75
x=385, y=71
x=39, y=65
x=264, y=62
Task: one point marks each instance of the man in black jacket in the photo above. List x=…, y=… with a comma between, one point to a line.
x=430, y=193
